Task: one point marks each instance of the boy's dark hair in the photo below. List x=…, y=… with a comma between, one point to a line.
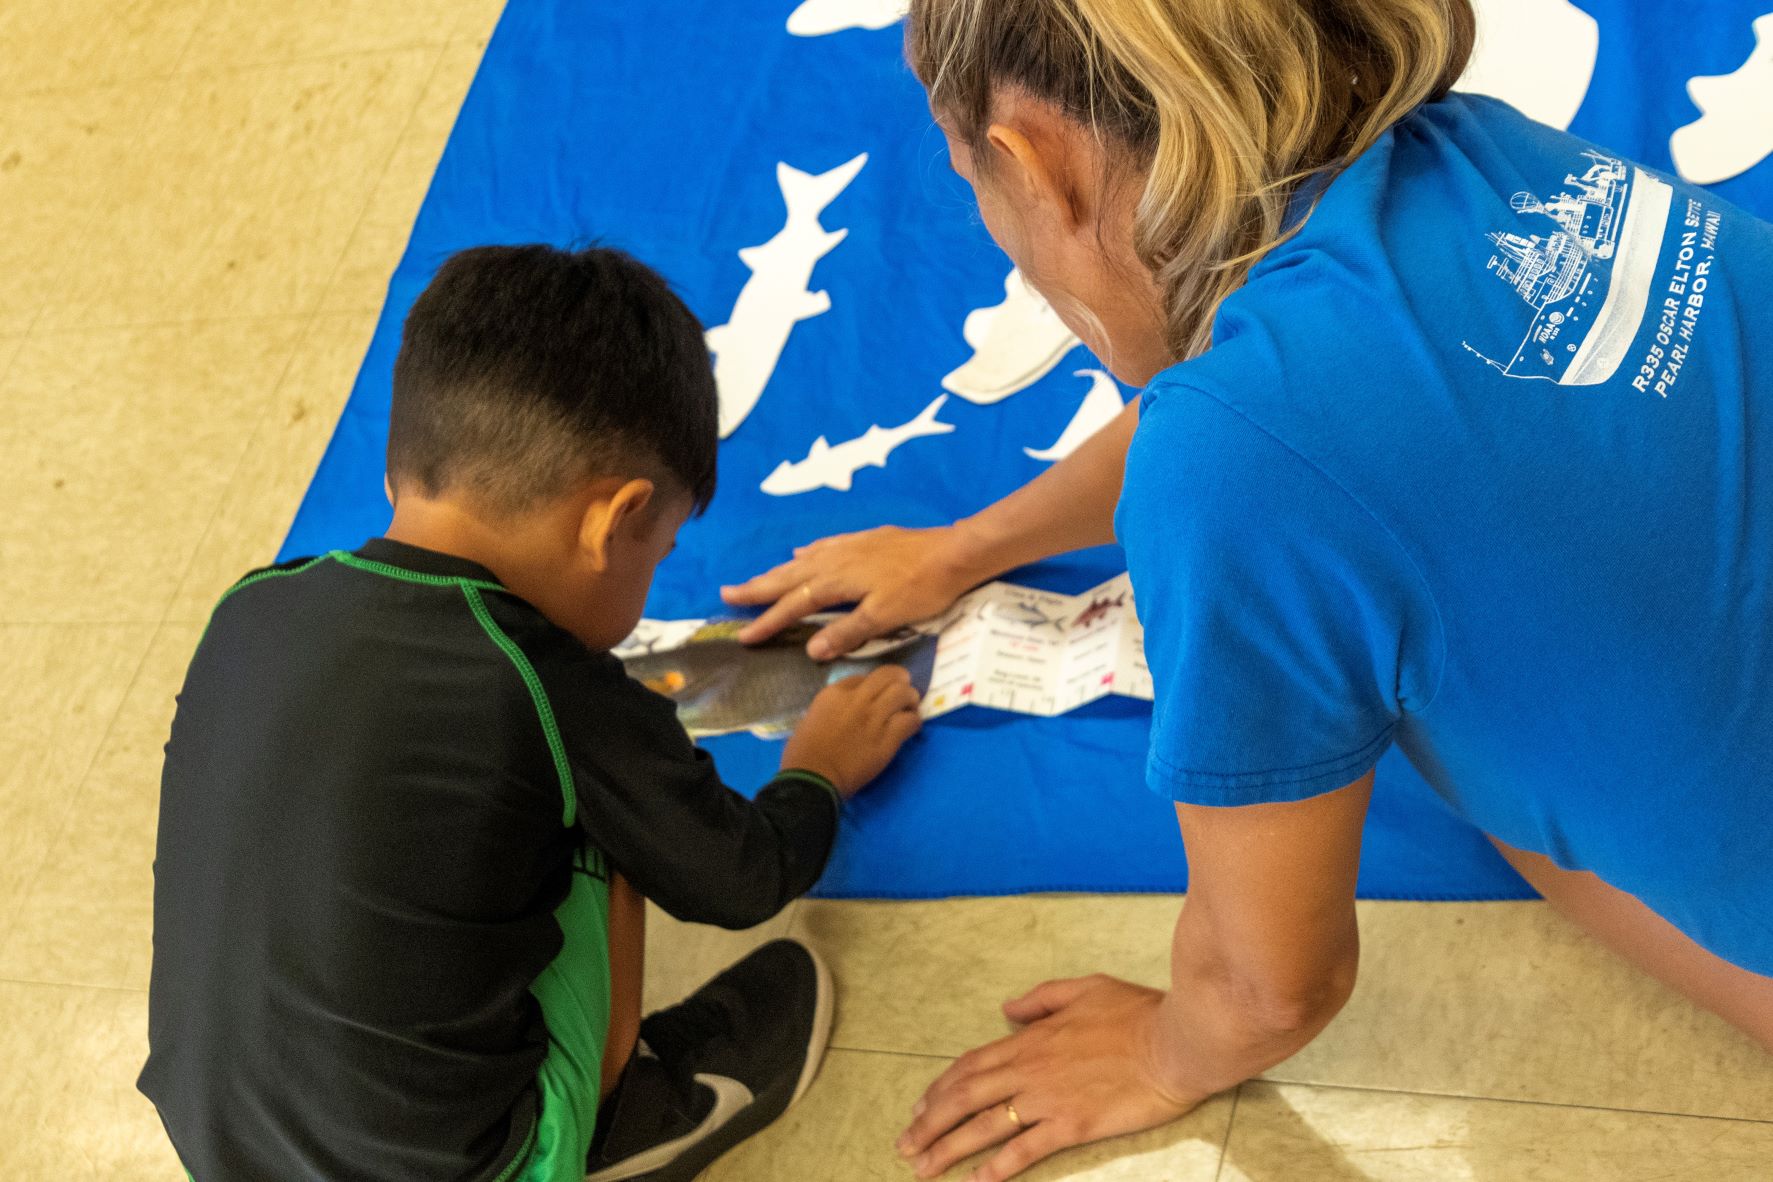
x=524, y=369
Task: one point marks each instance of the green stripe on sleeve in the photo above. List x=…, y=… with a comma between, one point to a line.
x=539, y=695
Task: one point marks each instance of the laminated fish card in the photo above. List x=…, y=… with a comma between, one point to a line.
x=1002, y=646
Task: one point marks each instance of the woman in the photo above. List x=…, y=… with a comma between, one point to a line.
x=1505, y=503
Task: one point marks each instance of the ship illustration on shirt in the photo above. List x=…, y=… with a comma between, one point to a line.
x=1586, y=276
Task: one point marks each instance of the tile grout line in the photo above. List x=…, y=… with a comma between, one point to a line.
x=157, y=101
x=424, y=88
x=34, y=984
x=1237, y=1094
x=920, y=1055
x=308, y=59
x=132, y=325
x=178, y=69
x=305, y=339
x=1433, y=1095
x=10, y=930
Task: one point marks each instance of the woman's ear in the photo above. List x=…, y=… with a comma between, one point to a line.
x=608, y=517
x=1031, y=156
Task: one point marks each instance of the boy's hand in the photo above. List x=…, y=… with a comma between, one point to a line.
x=855, y=727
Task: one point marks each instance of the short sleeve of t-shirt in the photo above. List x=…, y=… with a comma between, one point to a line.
x=1286, y=629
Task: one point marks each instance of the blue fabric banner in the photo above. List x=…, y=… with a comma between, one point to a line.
x=776, y=161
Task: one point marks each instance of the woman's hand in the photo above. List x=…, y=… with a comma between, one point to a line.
x=893, y=576
x=1083, y=1067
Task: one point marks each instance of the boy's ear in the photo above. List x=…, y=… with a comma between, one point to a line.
x=606, y=517
x=388, y=486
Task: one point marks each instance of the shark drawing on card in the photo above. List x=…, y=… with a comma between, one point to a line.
x=816, y=18
x=834, y=465
x=1099, y=408
x=1735, y=129
x=778, y=295
x=1537, y=55
x=1015, y=344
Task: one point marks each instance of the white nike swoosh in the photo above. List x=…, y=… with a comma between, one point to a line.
x=730, y=1098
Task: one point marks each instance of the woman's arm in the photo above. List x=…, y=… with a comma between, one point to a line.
x=899, y=576
x=1266, y=948
x=1264, y=956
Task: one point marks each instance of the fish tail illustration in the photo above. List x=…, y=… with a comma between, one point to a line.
x=808, y=194
x=926, y=424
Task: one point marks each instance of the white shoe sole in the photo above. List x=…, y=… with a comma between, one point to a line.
x=824, y=1010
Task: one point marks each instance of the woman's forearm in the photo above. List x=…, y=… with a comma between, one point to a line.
x=1068, y=507
x=1217, y=1029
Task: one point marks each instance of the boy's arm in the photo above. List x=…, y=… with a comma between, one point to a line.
x=657, y=808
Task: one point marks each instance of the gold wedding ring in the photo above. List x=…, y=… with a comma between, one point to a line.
x=1009, y=1110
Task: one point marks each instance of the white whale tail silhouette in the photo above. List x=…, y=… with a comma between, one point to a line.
x=1099, y=408
x=1538, y=55
x=834, y=465
x=1015, y=344
x=815, y=18
x=777, y=296
x=1735, y=130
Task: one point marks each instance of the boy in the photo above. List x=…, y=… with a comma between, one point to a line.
x=411, y=805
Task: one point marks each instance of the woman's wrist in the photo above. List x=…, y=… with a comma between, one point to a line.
x=1166, y=1064
x=975, y=552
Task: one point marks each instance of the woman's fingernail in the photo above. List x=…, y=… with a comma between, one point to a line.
x=917, y=1108
x=819, y=650
x=903, y=1144
x=923, y=1164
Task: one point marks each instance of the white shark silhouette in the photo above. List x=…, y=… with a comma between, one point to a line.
x=1537, y=55
x=815, y=18
x=1015, y=344
x=1735, y=131
x=834, y=465
x=1099, y=408
x=776, y=297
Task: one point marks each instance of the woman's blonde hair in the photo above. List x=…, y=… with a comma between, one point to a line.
x=1226, y=106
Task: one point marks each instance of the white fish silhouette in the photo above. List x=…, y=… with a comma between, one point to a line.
x=777, y=296
x=1538, y=55
x=1735, y=133
x=1015, y=344
x=1100, y=406
x=834, y=465
x=815, y=18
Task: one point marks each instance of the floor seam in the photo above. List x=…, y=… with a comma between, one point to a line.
x=139, y=992
x=10, y=931
x=921, y=1055
x=150, y=110
x=1438, y=1095
x=412, y=116
x=177, y=322
x=306, y=59
x=1225, y=1141
x=305, y=339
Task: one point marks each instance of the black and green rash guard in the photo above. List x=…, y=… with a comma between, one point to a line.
x=392, y=799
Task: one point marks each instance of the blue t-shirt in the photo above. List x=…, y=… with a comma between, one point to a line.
x=1481, y=463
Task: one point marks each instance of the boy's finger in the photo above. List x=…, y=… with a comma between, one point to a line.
x=901, y=726
x=907, y=698
x=885, y=678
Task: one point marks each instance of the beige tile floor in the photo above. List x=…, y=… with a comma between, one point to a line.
x=200, y=203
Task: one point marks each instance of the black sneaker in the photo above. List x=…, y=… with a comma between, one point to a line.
x=716, y=1068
